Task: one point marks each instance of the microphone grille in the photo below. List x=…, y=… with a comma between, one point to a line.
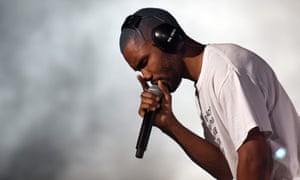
x=155, y=90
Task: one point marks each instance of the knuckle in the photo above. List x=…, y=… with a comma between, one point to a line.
x=145, y=106
x=141, y=113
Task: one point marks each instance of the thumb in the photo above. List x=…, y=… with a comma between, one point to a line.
x=143, y=82
x=165, y=91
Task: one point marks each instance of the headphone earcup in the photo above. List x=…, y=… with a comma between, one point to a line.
x=168, y=38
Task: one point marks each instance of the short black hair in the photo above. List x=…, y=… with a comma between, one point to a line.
x=130, y=34
x=151, y=17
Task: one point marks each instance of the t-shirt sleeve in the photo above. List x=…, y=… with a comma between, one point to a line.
x=243, y=107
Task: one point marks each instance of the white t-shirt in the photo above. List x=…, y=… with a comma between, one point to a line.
x=237, y=91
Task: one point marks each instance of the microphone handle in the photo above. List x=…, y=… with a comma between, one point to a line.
x=144, y=134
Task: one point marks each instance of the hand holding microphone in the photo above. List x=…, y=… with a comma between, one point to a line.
x=156, y=109
x=146, y=127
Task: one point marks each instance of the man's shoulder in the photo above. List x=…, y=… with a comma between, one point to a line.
x=224, y=54
x=235, y=55
x=225, y=48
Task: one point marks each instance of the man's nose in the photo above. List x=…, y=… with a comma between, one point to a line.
x=146, y=74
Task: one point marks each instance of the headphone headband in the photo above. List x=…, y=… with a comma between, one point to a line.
x=132, y=22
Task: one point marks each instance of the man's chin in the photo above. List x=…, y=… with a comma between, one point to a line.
x=173, y=88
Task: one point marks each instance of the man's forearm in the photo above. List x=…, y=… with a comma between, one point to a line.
x=203, y=153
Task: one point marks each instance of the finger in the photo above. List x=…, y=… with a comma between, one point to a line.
x=150, y=107
x=149, y=100
x=152, y=102
x=147, y=107
x=164, y=90
x=142, y=81
x=141, y=112
x=149, y=95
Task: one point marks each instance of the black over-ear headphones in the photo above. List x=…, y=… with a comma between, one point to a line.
x=166, y=37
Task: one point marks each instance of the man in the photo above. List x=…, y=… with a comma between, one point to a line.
x=250, y=124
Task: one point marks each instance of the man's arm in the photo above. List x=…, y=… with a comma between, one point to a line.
x=255, y=157
x=203, y=153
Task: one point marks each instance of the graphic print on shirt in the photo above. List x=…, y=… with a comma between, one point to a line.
x=210, y=128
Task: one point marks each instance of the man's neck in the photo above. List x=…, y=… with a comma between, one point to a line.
x=193, y=62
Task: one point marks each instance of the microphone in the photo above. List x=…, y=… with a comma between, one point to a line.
x=146, y=127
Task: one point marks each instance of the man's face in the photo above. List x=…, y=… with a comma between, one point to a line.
x=154, y=64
